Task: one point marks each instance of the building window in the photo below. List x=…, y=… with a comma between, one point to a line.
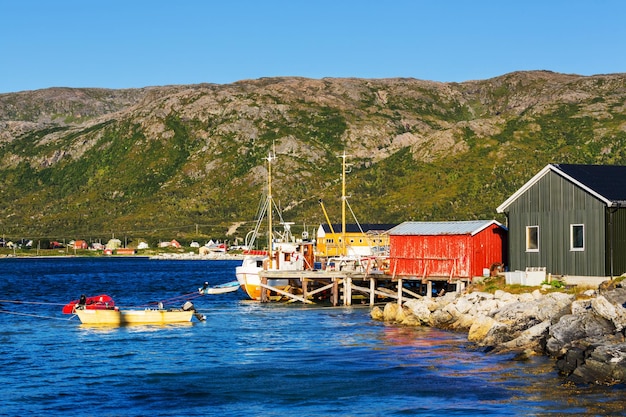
x=532, y=238
x=577, y=237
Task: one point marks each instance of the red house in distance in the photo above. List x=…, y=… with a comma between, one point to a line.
x=452, y=250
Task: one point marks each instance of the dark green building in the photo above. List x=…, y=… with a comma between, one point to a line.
x=570, y=219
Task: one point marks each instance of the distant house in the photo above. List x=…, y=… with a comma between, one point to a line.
x=361, y=239
x=80, y=244
x=454, y=249
x=570, y=219
x=125, y=251
x=171, y=244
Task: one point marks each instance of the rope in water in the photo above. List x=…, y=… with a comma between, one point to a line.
x=31, y=302
x=35, y=315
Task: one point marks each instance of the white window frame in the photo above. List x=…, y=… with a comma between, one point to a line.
x=528, y=229
x=571, y=237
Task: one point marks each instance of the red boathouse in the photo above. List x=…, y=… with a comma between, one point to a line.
x=462, y=249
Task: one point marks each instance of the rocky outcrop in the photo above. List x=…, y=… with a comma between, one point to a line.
x=586, y=336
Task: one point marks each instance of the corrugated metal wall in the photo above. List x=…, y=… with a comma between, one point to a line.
x=618, y=220
x=430, y=256
x=489, y=247
x=554, y=204
x=458, y=256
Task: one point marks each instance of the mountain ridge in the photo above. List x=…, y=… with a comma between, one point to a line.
x=188, y=160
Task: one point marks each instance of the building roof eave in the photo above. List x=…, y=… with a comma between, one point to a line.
x=554, y=168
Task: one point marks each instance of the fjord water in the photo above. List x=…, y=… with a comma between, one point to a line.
x=246, y=358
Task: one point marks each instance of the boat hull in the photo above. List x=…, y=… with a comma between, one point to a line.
x=250, y=282
x=221, y=289
x=124, y=317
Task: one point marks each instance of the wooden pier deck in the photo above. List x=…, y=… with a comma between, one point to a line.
x=347, y=287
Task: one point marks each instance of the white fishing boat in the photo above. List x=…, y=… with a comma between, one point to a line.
x=285, y=252
x=286, y=256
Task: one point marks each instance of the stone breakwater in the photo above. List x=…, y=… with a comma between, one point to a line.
x=584, y=334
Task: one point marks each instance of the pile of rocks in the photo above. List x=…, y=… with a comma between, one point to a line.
x=586, y=334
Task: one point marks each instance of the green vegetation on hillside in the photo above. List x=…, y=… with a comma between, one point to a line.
x=188, y=162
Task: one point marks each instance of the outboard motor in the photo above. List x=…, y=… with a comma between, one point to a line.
x=188, y=306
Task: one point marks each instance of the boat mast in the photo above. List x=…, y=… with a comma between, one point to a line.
x=270, y=157
x=343, y=204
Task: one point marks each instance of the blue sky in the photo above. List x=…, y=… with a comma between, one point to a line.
x=136, y=43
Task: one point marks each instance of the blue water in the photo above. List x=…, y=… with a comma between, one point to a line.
x=246, y=358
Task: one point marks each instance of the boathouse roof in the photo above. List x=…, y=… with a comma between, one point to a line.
x=468, y=227
x=605, y=182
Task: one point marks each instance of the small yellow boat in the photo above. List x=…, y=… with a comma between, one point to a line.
x=101, y=309
x=124, y=317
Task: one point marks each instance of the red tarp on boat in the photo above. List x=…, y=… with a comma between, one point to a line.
x=98, y=302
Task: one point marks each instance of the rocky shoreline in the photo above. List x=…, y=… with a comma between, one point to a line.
x=584, y=333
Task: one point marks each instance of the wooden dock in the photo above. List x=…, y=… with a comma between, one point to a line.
x=348, y=287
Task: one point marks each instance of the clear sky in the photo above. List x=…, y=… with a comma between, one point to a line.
x=137, y=43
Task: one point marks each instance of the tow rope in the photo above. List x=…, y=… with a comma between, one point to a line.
x=35, y=315
x=31, y=302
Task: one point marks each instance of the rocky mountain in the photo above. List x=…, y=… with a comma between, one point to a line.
x=188, y=161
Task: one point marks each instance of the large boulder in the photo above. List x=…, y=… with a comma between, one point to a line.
x=605, y=365
x=604, y=307
x=377, y=314
x=598, y=360
x=529, y=340
x=481, y=328
x=523, y=321
x=574, y=327
x=445, y=317
x=393, y=312
x=420, y=310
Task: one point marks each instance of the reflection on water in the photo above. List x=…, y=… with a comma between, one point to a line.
x=105, y=327
x=533, y=382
